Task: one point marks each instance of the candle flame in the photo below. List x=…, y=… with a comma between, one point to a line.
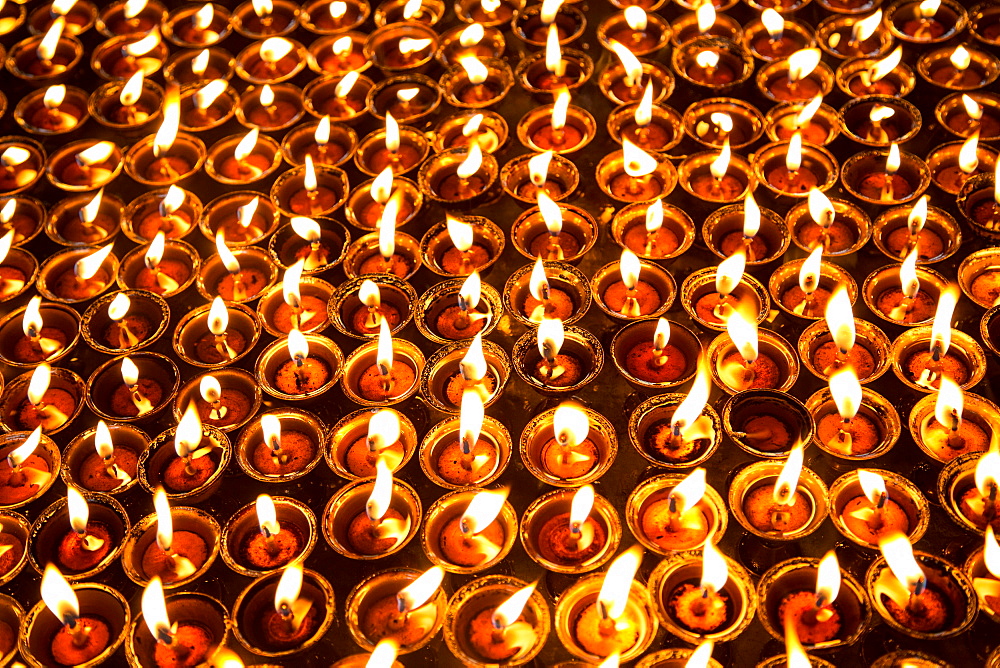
x=344, y=86
x=218, y=317
x=571, y=424
x=18, y=455
x=167, y=132
x=811, y=270
x=629, y=267
x=381, y=187
x=898, y=553
x=635, y=18
x=559, y=109
x=793, y=156
x=188, y=435
x=795, y=653
x=893, y=160
x=89, y=211
x=631, y=64
x=549, y=10
x=322, y=133
x=298, y=345
x=59, y=596
x=94, y=154
x=917, y=216
x=274, y=49
x=617, y=584
x=409, y=46
x=551, y=213
x=9, y=208
x=369, y=294
x=54, y=96
x=720, y=165
x=381, y=495
x=644, y=110
x=246, y=212
x=508, y=612
x=210, y=389
x=788, y=478
x=290, y=284
x=405, y=95
x=14, y=156
x=144, y=45
x=687, y=418
x=50, y=40
x=5, y=243
x=968, y=155
x=384, y=352
x=774, y=23
x=538, y=283
x=701, y=656
x=154, y=610
x=742, y=332
x=802, y=63
x=384, y=654
x=473, y=161
x=228, y=259
x=705, y=16
x=418, y=592
x=309, y=175
x=864, y=28
x=289, y=587
x=828, y=578
x=472, y=125
x=119, y=306
x=267, y=515
x=960, y=58
x=751, y=216
x=714, y=569
x=991, y=552
x=941, y=325
x=972, y=108
x=383, y=430
x=882, y=67
x=661, y=336
x=474, y=68
x=987, y=473
x=32, y=322
x=554, y=62
x=729, y=273
x=470, y=419
x=79, y=511
x=246, y=145
x=62, y=7
x=411, y=9
x=879, y=113
x=130, y=372
x=460, y=233
x=471, y=35
x=805, y=115
x=909, y=282
x=270, y=426
x=637, y=162
x=846, y=391
x=306, y=228
x=86, y=267
x=707, y=59
x=550, y=338
x=200, y=62
x=873, y=485
x=538, y=167
x=473, y=364
x=39, y=383
x=949, y=403
x=204, y=17
x=482, y=510
x=102, y=440
x=470, y=292
x=262, y=8
x=164, y=520
x=580, y=507
x=688, y=492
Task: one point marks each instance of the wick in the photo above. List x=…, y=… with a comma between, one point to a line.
x=77, y=631
x=748, y=248
x=222, y=345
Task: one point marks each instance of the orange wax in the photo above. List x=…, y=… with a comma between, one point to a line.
x=825, y=359
x=642, y=360
x=929, y=243
x=695, y=611
x=871, y=186
x=726, y=189
x=68, y=286
x=684, y=533
x=167, y=169
x=257, y=552
x=660, y=442
x=558, y=459
x=658, y=244
x=192, y=643
x=455, y=467
x=891, y=518
x=735, y=240
x=839, y=237
x=306, y=203
x=67, y=652
x=765, y=374
x=645, y=295
x=247, y=169
x=636, y=189
x=767, y=516
x=15, y=487
x=922, y=308
x=186, y=544
x=865, y=434
x=783, y=90
x=275, y=116
x=602, y=637
x=556, y=542
x=382, y=619
x=360, y=461
x=930, y=612
x=800, y=606
x=800, y=181
x=461, y=549
x=401, y=378
x=313, y=375
x=814, y=305
x=297, y=451
x=711, y=76
x=362, y=536
x=542, y=246
x=559, y=305
x=71, y=555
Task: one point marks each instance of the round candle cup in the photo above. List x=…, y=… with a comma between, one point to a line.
x=372, y=155
x=938, y=240
x=316, y=17
x=576, y=630
x=819, y=170
x=750, y=496
x=835, y=36
x=66, y=224
x=904, y=22
x=143, y=219
x=245, y=549
x=348, y=314
x=695, y=177
x=363, y=384
x=976, y=276
x=479, y=599
x=635, y=358
x=543, y=455
x=546, y=535
x=652, y=38
x=195, y=344
x=346, y=450
x=304, y=434
x=787, y=295
x=99, y=605
x=699, y=298
x=662, y=133
x=561, y=179
x=569, y=300
x=198, y=616
x=532, y=74
x=619, y=186
x=441, y=456
x=977, y=203
x=109, y=398
x=618, y=88
x=24, y=176
x=673, y=239
x=953, y=117
x=276, y=371
x=262, y=630
x=439, y=318
x=64, y=171
x=766, y=423
x=384, y=97
x=18, y=262
x=79, y=18
x=285, y=111
x=794, y=36
x=286, y=247
x=240, y=399
x=492, y=45
x=937, y=69
x=222, y=165
x=649, y=431
x=984, y=23
x=723, y=234
x=19, y=351
x=223, y=213
x=280, y=19
x=440, y=255
x=653, y=294
x=179, y=69
x=776, y=367
x=882, y=293
x=907, y=511
x=160, y=466
x=748, y=123
x=86, y=469
x=111, y=59
x=291, y=197
x=791, y=585
x=679, y=573
x=196, y=540
x=301, y=142
x=364, y=258
x=536, y=133
x=257, y=274
x=849, y=232
x=686, y=29
x=975, y=435
x=863, y=175
x=277, y=317
x=48, y=461
x=648, y=516
x=532, y=238
x=115, y=20
x=324, y=60
x=491, y=133
x=957, y=491
x=873, y=431
x=947, y=586
x=35, y=117
x=382, y=48
x=146, y=320
x=30, y=216
x=181, y=27
x=23, y=62
x=904, y=124
x=52, y=538
x=16, y=532
x=364, y=212
x=373, y=614
x=320, y=98
x=869, y=357
x=946, y=172
x=734, y=67
x=57, y=281
x=350, y=533
x=440, y=183
x=581, y=355
x=442, y=383
x=463, y=93
x=853, y=78
x=447, y=546
x=184, y=159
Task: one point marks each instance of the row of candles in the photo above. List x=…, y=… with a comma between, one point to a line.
x=499, y=618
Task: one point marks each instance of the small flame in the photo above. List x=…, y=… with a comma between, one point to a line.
x=482, y=510
x=418, y=592
x=917, y=216
x=270, y=426
x=32, y=322
x=661, y=336
x=298, y=345
x=306, y=228
x=167, y=132
x=405, y=95
x=50, y=41
x=570, y=424
x=846, y=391
x=79, y=511
x=290, y=284
x=941, y=326
x=559, y=109
x=508, y=612
x=828, y=578
x=218, y=317
x=210, y=388
x=267, y=515
x=144, y=45
x=18, y=455
x=550, y=337
x=617, y=584
x=274, y=49
x=960, y=58
x=322, y=133
x=228, y=259
x=154, y=609
x=538, y=167
x=548, y=10
x=95, y=154
x=538, y=283
x=701, y=656
x=968, y=155
x=200, y=62
x=688, y=492
x=893, y=160
x=644, y=111
x=705, y=16
x=972, y=108
x=473, y=161
x=383, y=430
x=172, y=200
x=384, y=352
x=14, y=156
x=471, y=35
x=309, y=176
x=629, y=268
x=381, y=496
x=266, y=97
x=773, y=22
x=635, y=18
x=580, y=507
x=460, y=233
x=802, y=63
x=471, y=127
x=338, y=9
x=409, y=46
x=86, y=267
x=246, y=212
x=130, y=372
x=821, y=208
x=553, y=52
x=811, y=270
x=133, y=8
x=289, y=587
x=743, y=333
x=187, y=436
x=59, y=596
x=949, y=403
x=474, y=68
x=473, y=364
x=5, y=243
x=882, y=67
x=864, y=28
x=90, y=210
x=788, y=479
x=637, y=163
x=631, y=64
x=751, y=216
x=262, y=8
x=714, y=569
x=470, y=293
x=729, y=273
x=10, y=208
x=898, y=553
x=873, y=485
x=246, y=145
x=369, y=294
x=54, y=96
x=909, y=282
x=381, y=187
x=720, y=165
x=384, y=654
x=551, y=213
x=119, y=306
x=687, y=415
x=39, y=383
x=470, y=419
x=344, y=86
x=987, y=474
x=164, y=520
x=991, y=552
x=793, y=157
x=805, y=115
x=102, y=440
x=204, y=17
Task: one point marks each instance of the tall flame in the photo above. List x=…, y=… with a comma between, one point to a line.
x=59, y=596
x=846, y=391
x=729, y=273
x=418, y=592
x=802, y=63
x=637, y=163
x=570, y=424
x=614, y=594
x=840, y=319
x=788, y=478
x=714, y=570
x=86, y=267
x=482, y=510
x=688, y=492
x=909, y=282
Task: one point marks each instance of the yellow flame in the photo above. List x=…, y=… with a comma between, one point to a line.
x=470, y=292
x=644, y=110
x=689, y=491
x=130, y=372
x=246, y=212
x=968, y=155
x=14, y=156
x=507, y=612
x=866, y=27
x=306, y=228
x=795, y=653
x=470, y=419
x=987, y=472
x=631, y=64
x=550, y=337
x=559, y=109
x=846, y=391
x=474, y=68
x=705, y=16
x=873, y=485
x=17, y=456
x=119, y=306
x=204, y=17
x=246, y=145
x=79, y=511
x=774, y=23
x=267, y=515
x=482, y=510
x=86, y=267
x=383, y=430
x=580, y=507
x=344, y=86
x=701, y=656
x=59, y=596
x=614, y=659
x=960, y=58
x=811, y=270
x=472, y=125
x=274, y=49
x=941, y=326
x=154, y=609
x=629, y=267
x=290, y=284
x=554, y=62
x=384, y=352
x=809, y=110
x=908, y=280
x=821, y=208
x=218, y=317
x=893, y=160
x=472, y=162
x=972, y=108
x=949, y=403
x=262, y=8
x=751, y=216
x=991, y=552
x=788, y=478
x=661, y=335
x=200, y=62
x=460, y=233
x=898, y=553
x=381, y=187
x=729, y=273
x=384, y=654
x=309, y=175
x=720, y=165
x=50, y=40
x=637, y=163
x=6, y=241
x=144, y=45
x=32, y=322
x=228, y=259
x=266, y=97
x=270, y=426
x=538, y=167
x=548, y=10
x=39, y=383
x=918, y=216
x=409, y=46
x=418, y=592
x=471, y=35
x=164, y=520
x=538, y=283
x=369, y=294
x=167, y=132
x=9, y=209
x=94, y=154
x=688, y=412
x=743, y=333
x=322, y=133
x=802, y=63
x=828, y=578
x=102, y=440
x=635, y=18
x=714, y=569
x=411, y=9
x=90, y=210
x=288, y=589
x=298, y=345
x=617, y=584
x=210, y=388
x=54, y=96
x=187, y=436
x=405, y=95
x=551, y=213
x=473, y=364
x=381, y=495
x=882, y=67
x=793, y=156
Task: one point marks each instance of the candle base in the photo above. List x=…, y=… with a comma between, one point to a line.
x=16, y=487
x=800, y=606
x=267, y=554
x=892, y=518
x=557, y=543
x=660, y=440
x=569, y=463
x=297, y=452
x=177, y=479
x=362, y=538
x=567, y=370
x=236, y=405
x=67, y=652
x=645, y=296
x=462, y=550
x=486, y=641
x=559, y=305
x=94, y=476
x=71, y=555
x=276, y=631
x=922, y=309
x=862, y=434
x=767, y=516
x=251, y=282
x=592, y=636
x=826, y=358
x=191, y=645
x=68, y=286
x=929, y=612
x=313, y=375
x=59, y=407
x=361, y=321
x=643, y=363
x=382, y=620
x=451, y=463
x=838, y=238
x=658, y=526
x=763, y=374
x=372, y=386
x=696, y=612
x=361, y=461
x=186, y=544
